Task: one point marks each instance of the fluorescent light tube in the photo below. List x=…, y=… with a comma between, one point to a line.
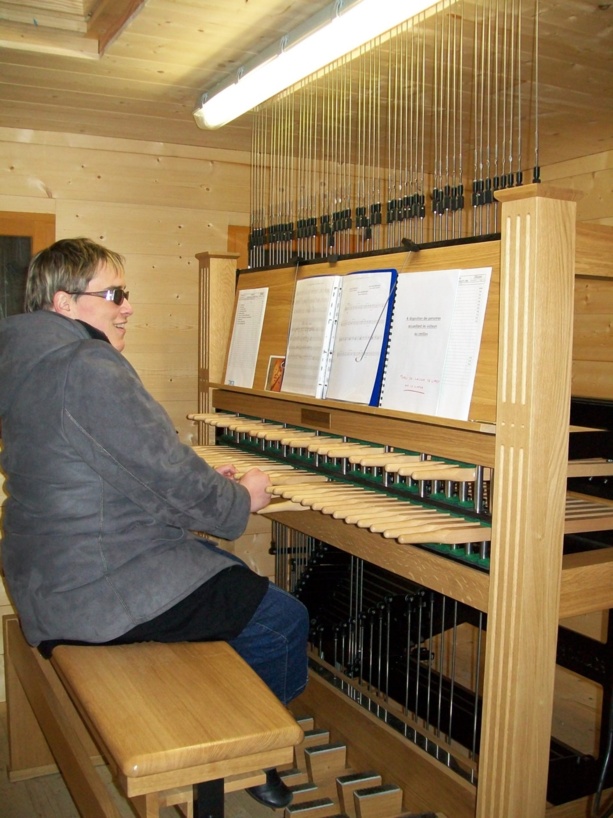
x=338, y=30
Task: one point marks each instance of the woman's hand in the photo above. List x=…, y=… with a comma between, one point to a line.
x=256, y=482
x=227, y=471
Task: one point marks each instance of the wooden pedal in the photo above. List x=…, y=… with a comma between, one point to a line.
x=325, y=761
x=312, y=738
x=307, y=791
x=346, y=785
x=293, y=777
x=383, y=801
x=306, y=722
x=318, y=808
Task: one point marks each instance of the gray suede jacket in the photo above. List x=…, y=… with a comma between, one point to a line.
x=101, y=494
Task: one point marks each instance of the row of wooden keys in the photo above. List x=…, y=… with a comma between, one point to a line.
x=406, y=520
x=298, y=489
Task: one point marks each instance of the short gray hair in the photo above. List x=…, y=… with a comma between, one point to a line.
x=68, y=265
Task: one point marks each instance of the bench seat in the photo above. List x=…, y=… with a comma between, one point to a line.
x=162, y=716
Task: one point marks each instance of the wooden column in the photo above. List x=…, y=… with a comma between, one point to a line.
x=536, y=320
x=217, y=285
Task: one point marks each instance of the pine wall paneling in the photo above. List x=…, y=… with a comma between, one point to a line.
x=593, y=176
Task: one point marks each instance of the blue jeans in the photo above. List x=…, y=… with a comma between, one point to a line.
x=274, y=643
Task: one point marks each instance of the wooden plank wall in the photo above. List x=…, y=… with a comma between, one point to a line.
x=157, y=204
x=592, y=346
x=593, y=176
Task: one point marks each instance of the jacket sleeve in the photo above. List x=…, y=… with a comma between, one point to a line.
x=126, y=437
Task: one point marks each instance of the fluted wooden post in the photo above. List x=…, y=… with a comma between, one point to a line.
x=217, y=286
x=536, y=317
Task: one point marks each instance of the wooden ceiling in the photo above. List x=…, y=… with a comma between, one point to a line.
x=135, y=68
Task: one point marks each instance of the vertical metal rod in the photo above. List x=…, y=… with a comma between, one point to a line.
x=441, y=668
x=452, y=669
x=429, y=674
x=477, y=695
x=407, y=686
x=418, y=646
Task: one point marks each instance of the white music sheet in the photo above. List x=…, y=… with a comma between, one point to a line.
x=423, y=310
x=434, y=342
x=360, y=333
x=311, y=335
x=246, y=333
x=464, y=342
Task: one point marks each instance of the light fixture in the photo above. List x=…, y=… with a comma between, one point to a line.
x=337, y=30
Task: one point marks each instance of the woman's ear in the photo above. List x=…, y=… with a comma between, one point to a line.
x=63, y=304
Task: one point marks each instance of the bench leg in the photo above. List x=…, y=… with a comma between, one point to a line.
x=208, y=799
x=29, y=753
x=60, y=724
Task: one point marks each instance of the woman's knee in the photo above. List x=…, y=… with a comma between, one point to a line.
x=289, y=613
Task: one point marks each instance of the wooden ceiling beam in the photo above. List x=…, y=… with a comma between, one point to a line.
x=71, y=6
x=47, y=29
x=46, y=40
x=36, y=15
x=109, y=19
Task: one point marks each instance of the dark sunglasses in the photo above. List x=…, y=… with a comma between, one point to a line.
x=115, y=294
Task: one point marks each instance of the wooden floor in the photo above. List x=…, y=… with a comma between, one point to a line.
x=47, y=797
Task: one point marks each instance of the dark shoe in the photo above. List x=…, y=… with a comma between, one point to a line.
x=274, y=793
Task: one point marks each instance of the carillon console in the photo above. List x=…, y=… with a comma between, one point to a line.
x=429, y=551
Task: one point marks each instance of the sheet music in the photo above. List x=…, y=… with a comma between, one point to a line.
x=311, y=335
x=423, y=309
x=360, y=335
x=464, y=342
x=434, y=342
x=246, y=333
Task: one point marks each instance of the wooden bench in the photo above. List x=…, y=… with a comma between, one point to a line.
x=176, y=724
